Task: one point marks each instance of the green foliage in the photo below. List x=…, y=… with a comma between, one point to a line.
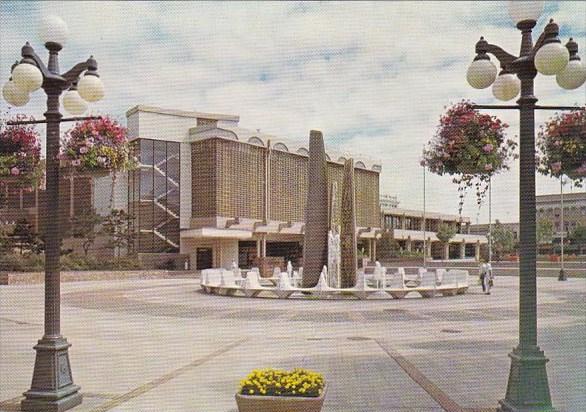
x=445, y=232
x=503, y=240
x=578, y=237
x=30, y=262
x=84, y=227
x=24, y=238
x=386, y=246
x=545, y=231
x=118, y=227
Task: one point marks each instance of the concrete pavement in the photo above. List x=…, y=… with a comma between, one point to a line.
x=160, y=345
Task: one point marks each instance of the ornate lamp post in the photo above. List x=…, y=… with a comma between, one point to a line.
x=52, y=387
x=562, y=276
x=528, y=388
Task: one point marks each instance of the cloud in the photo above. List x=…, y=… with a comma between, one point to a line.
x=373, y=76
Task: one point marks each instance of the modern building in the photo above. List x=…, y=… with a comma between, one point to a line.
x=219, y=193
x=76, y=194
x=388, y=203
x=408, y=231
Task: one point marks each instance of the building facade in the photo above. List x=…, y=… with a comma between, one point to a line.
x=219, y=193
x=549, y=208
x=411, y=227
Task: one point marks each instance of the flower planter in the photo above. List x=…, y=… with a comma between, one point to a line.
x=255, y=403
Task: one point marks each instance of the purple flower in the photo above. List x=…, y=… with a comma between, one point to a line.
x=488, y=148
x=76, y=162
x=15, y=171
x=83, y=150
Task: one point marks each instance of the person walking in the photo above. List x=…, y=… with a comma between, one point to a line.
x=486, y=278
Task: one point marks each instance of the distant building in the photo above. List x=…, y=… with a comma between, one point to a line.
x=408, y=231
x=549, y=208
x=388, y=202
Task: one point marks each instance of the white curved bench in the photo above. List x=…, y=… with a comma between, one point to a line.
x=449, y=283
x=427, y=287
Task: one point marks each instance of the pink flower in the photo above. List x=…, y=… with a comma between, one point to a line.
x=76, y=162
x=15, y=171
x=556, y=167
x=557, y=143
x=488, y=167
x=488, y=148
x=83, y=150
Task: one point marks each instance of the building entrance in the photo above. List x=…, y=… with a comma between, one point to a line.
x=204, y=258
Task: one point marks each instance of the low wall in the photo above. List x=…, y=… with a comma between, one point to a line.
x=24, y=278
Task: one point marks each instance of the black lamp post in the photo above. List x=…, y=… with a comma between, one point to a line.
x=528, y=388
x=52, y=387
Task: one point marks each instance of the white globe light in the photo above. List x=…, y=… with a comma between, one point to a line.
x=53, y=29
x=90, y=88
x=27, y=76
x=506, y=87
x=551, y=59
x=73, y=103
x=573, y=76
x=14, y=95
x=525, y=10
x=481, y=74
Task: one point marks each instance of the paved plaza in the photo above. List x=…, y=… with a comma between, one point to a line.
x=162, y=345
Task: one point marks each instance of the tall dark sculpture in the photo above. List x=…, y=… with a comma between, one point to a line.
x=315, y=246
x=348, y=263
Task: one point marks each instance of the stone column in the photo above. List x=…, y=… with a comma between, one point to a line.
x=477, y=251
x=374, y=248
x=408, y=244
x=463, y=250
x=348, y=264
x=315, y=250
x=447, y=251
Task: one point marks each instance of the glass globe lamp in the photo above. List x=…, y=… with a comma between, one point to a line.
x=28, y=77
x=573, y=76
x=551, y=58
x=53, y=30
x=481, y=73
x=73, y=103
x=525, y=10
x=506, y=87
x=90, y=88
x=14, y=95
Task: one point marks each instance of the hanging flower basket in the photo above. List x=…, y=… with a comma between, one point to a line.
x=97, y=147
x=20, y=154
x=471, y=147
x=562, y=146
x=271, y=390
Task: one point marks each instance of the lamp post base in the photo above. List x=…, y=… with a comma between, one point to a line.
x=562, y=275
x=52, y=389
x=527, y=389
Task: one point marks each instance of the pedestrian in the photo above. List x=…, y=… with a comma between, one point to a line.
x=486, y=278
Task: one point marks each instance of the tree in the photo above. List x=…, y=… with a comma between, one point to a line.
x=578, y=238
x=23, y=236
x=84, y=227
x=118, y=227
x=545, y=231
x=445, y=232
x=503, y=240
x=386, y=246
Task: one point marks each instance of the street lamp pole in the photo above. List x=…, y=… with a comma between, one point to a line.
x=490, y=220
x=528, y=387
x=562, y=275
x=52, y=387
x=424, y=222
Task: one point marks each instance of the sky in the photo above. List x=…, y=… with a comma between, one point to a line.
x=374, y=77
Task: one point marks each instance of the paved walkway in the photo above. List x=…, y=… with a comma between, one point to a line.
x=160, y=345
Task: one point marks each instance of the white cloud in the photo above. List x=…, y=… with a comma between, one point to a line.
x=373, y=76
